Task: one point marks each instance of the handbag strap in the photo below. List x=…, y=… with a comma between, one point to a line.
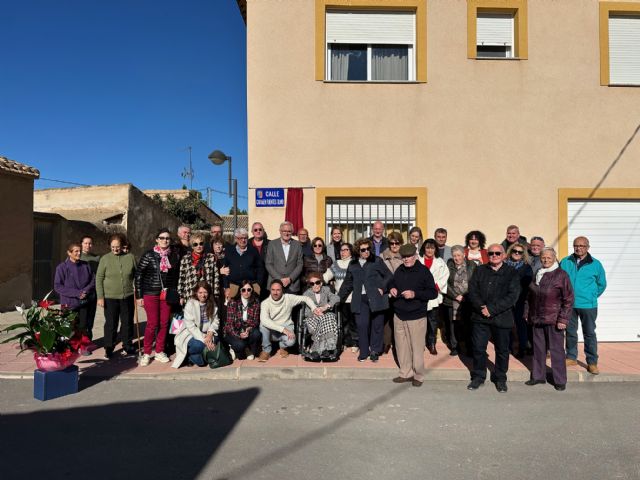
x=159, y=272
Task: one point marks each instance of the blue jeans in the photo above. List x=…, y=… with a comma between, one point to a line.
x=194, y=352
x=588, y=318
x=271, y=335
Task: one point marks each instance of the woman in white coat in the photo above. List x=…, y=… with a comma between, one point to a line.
x=199, y=328
x=430, y=257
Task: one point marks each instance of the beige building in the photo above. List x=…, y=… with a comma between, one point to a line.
x=463, y=114
x=16, y=235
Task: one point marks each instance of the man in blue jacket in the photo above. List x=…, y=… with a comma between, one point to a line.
x=589, y=282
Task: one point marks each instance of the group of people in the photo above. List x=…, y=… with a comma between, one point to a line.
x=255, y=293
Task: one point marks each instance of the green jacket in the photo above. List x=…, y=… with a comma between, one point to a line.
x=92, y=260
x=114, y=278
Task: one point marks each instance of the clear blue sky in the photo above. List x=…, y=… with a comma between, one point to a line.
x=100, y=92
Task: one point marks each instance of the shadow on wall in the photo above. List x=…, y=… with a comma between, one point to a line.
x=598, y=185
x=156, y=439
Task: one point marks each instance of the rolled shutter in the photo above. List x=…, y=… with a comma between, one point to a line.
x=624, y=49
x=371, y=27
x=494, y=29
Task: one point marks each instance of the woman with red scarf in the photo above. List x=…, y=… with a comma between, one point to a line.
x=156, y=282
x=196, y=266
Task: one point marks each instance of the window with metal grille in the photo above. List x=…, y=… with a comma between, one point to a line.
x=354, y=216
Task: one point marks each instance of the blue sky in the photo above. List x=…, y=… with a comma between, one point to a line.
x=100, y=92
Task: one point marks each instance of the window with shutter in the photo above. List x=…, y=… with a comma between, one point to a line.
x=624, y=49
x=497, y=29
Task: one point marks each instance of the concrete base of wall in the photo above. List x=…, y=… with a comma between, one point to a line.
x=16, y=291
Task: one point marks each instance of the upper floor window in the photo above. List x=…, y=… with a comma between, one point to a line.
x=497, y=29
x=370, y=45
x=494, y=35
x=624, y=49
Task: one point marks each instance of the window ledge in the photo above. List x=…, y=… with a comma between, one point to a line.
x=378, y=82
x=632, y=85
x=500, y=59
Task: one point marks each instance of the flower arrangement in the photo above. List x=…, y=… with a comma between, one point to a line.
x=50, y=333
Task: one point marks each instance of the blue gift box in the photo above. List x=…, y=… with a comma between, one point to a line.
x=48, y=385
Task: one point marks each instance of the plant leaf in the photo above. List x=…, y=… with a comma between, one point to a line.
x=47, y=339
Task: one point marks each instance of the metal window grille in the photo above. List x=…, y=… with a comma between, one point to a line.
x=354, y=216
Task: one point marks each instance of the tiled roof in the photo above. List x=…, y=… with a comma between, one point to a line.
x=227, y=226
x=10, y=166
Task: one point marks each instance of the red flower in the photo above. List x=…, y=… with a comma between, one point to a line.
x=45, y=303
x=37, y=335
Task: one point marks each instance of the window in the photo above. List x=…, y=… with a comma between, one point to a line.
x=371, y=40
x=370, y=46
x=494, y=35
x=497, y=29
x=620, y=43
x=354, y=216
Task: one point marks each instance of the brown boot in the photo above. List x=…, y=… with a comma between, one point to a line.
x=264, y=356
x=571, y=362
x=283, y=353
x=593, y=369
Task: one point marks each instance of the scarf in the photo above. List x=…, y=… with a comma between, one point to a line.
x=542, y=271
x=517, y=265
x=164, y=258
x=197, y=261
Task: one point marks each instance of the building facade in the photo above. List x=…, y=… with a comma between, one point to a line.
x=463, y=114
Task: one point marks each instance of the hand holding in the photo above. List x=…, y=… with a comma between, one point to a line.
x=561, y=326
x=409, y=294
x=289, y=334
x=101, y=302
x=394, y=292
x=485, y=311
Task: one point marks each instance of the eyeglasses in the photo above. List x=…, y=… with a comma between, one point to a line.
x=316, y=283
x=318, y=245
x=366, y=249
x=394, y=243
x=517, y=252
x=164, y=238
x=257, y=229
x=197, y=244
x=494, y=254
x=244, y=239
x=580, y=246
x=246, y=289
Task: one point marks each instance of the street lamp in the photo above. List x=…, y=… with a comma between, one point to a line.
x=218, y=157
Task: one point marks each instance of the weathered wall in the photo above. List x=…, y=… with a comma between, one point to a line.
x=16, y=240
x=491, y=140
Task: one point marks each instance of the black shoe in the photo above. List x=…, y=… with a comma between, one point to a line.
x=533, y=382
x=519, y=355
x=313, y=357
x=374, y=357
x=108, y=353
x=475, y=384
x=561, y=387
x=453, y=353
x=402, y=380
x=432, y=349
x=416, y=383
x=501, y=387
x=362, y=359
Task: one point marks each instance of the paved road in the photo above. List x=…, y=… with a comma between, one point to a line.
x=278, y=429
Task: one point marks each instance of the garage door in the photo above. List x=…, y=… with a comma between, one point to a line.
x=613, y=230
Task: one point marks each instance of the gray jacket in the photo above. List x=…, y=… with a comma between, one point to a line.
x=278, y=267
x=326, y=298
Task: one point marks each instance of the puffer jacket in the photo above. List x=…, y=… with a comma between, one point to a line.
x=551, y=302
x=148, y=274
x=311, y=264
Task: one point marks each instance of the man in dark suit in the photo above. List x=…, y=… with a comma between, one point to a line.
x=284, y=259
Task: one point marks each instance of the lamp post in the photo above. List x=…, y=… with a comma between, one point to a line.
x=218, y=157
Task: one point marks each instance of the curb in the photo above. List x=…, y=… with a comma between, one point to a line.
x=328, y=373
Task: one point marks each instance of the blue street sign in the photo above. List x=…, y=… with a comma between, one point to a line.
x=269, y=197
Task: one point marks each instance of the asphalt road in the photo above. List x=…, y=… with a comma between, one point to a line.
x=275, y=429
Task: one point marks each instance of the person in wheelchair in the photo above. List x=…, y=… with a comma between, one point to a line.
x=322, y=322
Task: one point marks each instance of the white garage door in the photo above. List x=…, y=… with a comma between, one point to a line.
x=613, y=230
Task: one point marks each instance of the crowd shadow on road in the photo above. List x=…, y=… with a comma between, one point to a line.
x=169, y=438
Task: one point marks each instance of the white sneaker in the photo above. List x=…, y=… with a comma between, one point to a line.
x=162, y=357
x=144, y=360
x=232, y=352
x=250, y=357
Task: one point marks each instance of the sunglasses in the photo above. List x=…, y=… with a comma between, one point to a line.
x=394, y=243
x=318, y=245
x=317, y=282
x=257, y=229
x=367, y=249
x=197, y=244
x=164, y=238
x=494, y=254
x=517, y=252
x=247, y=289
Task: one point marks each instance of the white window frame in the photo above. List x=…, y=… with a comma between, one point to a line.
x=411, y=71
x=614, y=76
x=511, y=51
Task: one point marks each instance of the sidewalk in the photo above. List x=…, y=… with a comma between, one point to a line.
x=618, y=362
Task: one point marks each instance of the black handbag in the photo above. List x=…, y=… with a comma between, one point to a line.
x=218, y=357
